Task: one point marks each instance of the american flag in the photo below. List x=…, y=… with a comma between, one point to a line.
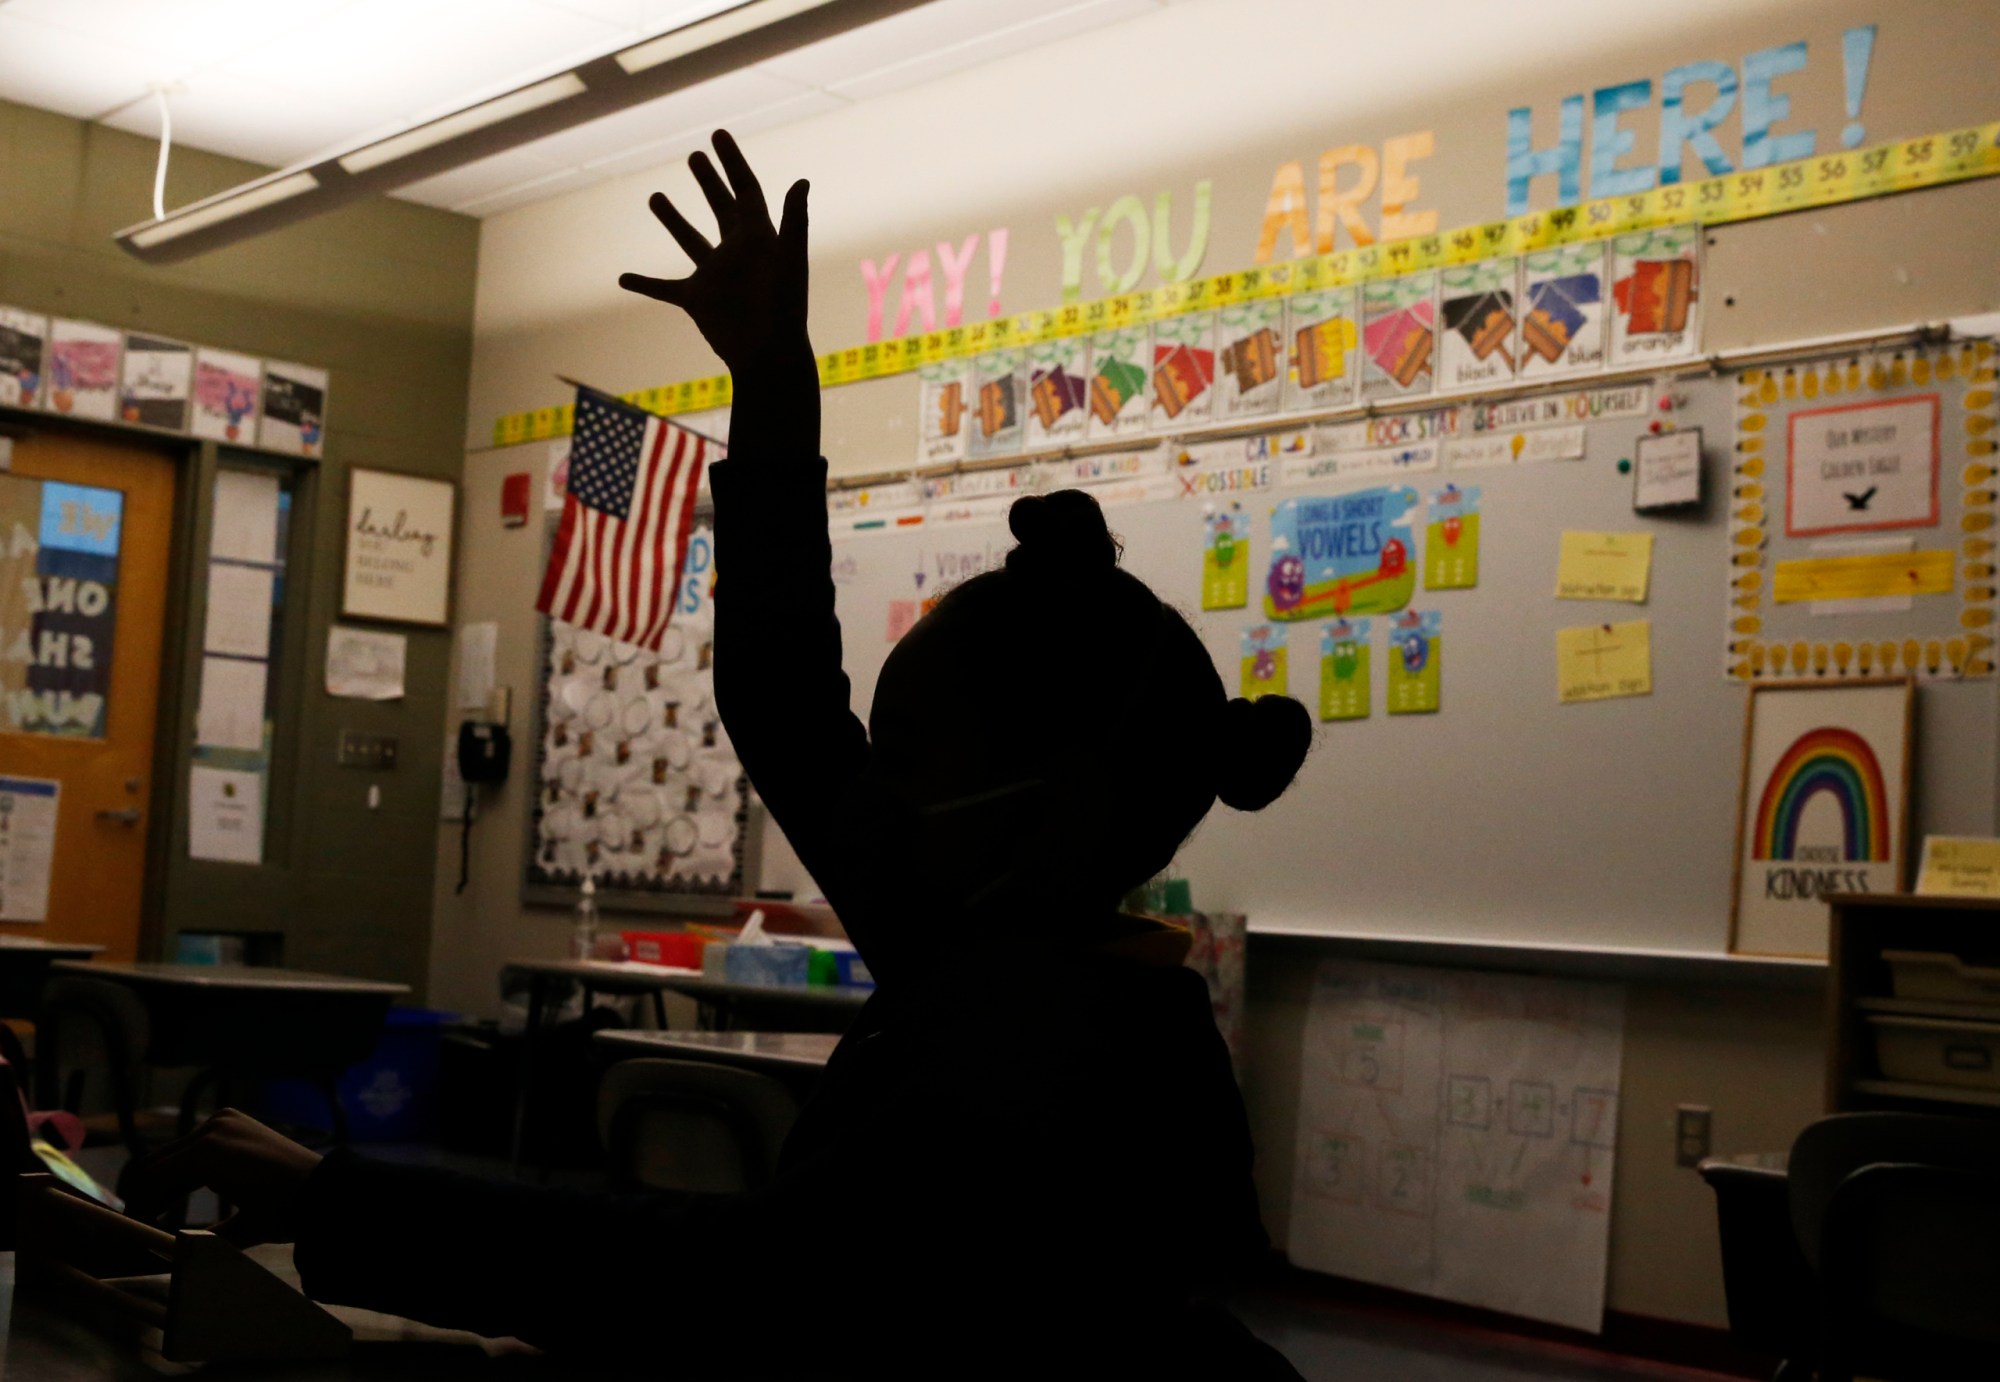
x=627, y=512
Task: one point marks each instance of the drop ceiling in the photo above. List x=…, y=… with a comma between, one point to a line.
x=278, y=81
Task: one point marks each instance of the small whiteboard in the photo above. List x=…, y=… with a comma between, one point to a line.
x=1667, y=471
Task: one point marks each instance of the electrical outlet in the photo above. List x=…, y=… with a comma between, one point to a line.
x=1691, y=1134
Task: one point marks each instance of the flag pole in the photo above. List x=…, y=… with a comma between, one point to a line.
x=579, y=384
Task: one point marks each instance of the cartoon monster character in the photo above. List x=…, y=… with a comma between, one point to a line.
x=1225, y=541
x=1346, y=659
x=1451, y=528
x=1416, y=650
x=1265, y=667
x=1288, y=582
x=1395, y=556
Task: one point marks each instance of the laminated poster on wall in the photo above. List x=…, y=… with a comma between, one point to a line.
x=945, y=412
x=83, y=369
x=28, y=810
x=1058, y=392
x=1263, y=670
x=1321, y=338
x=1250, y=356
x=1183, y=370
x=1225, y=558
x=1345, y=655
x=58, y=604
x=23, y=338
x=1656, y=295
x=1451, y=539
x=1341, y=554
x=1398, y=336
x=1121, y=364
x=1562, y=311
x=1416, y=656
x=225, y=395
x=294, y=419
x=157, y=388
x=997, y=415
x=1477, y=303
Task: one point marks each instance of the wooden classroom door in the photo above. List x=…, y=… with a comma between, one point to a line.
x=85, y=531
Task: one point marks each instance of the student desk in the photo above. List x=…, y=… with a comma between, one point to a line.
x=231, y=1020
x=794, y=1057
x=24, y=967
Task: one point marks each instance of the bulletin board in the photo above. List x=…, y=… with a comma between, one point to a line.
x=636, y=783
x=1504, y=815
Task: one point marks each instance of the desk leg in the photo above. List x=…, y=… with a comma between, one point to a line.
x=530, y=1039
x=659, y=1010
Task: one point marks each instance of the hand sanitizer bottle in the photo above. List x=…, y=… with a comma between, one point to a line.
x=583, y=939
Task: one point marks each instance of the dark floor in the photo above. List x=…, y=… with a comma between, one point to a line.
x=1327, y=1341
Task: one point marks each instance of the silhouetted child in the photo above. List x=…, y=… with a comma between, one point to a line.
x=1029, y=1156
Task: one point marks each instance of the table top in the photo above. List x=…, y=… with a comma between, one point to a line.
x=809, y=1050
x=166, y=974
x=603, y=972
x=22, y=947
x=810, y=995
x=690, y=982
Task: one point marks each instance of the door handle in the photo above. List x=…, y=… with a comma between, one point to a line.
x=128, y=816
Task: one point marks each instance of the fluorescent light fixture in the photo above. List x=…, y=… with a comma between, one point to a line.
x=706, y=33
x=528, y=98
x=227, y=207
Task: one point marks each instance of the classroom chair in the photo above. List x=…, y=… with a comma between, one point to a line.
x=691, y=1126
x=1873, y=1251
x=91, y=1025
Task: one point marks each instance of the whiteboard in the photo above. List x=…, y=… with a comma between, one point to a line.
x=1505, y=817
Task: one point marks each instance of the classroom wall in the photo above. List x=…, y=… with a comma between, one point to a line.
x=381, y=294
x=1225, y=90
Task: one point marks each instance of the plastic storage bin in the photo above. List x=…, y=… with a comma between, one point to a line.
x=1937, y=1050
x=389, y=1097
x=1940, y=976
x=673, y=949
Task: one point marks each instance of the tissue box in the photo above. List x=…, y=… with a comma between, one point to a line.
x=767, y=964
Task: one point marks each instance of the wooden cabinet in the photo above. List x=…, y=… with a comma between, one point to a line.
x=1914, y=1004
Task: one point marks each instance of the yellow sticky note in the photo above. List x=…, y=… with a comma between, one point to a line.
x=1599, y=662
x=1605, y=566
x=1960, y=866
x=1864, y=577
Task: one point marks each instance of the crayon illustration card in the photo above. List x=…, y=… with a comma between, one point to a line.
x=1263, y=671
x=1058, y=392
x=1320, y=341
x=157, y=384
x=1344, y=674
x=225, y=395
x=1656, y=295
x=1183, y=370
x=944, y=411
x=23, y=341
x=294, y=419
x=1451, y=539
x=1342, y=554
x=1250, y=356
x=1121, y=368
x=1225, y=559
x=1562, y=311
x=1399, y=336
x=997, y=416
x=83, y=369
x=1477, y=303
x=1416, y=654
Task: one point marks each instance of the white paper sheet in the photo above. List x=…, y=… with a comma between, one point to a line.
x=365, y=665
x=225, y=816
x=245, y=526
x=231, y=715
x=239, y=611
x=478, y=645
x=1456, y=1136
x=27, y=846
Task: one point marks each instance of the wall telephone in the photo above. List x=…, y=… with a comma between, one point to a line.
x=485, y=749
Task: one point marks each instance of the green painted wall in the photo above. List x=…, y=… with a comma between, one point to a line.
x=381, y=294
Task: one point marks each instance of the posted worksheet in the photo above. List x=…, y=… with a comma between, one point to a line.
x=1456, y=1136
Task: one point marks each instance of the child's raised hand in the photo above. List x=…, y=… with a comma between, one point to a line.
x=747, y=293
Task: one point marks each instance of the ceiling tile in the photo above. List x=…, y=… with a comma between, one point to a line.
x=647, y=17
x=177, y=36
x=480, y=178
x=987, y=47
x=506, y=199
x=708, y=104
x=259, y=121
x=39, y=67
x=685, y=141
x=901, y=37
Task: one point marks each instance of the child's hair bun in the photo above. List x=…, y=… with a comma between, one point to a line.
x=1062, y=533
x=1264, y=742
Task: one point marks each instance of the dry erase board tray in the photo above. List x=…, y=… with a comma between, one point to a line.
x=1605, y=962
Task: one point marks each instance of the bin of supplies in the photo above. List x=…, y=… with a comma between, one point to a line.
x=1937, y=1050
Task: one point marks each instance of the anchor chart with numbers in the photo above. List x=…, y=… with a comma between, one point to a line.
x=1453, y=1126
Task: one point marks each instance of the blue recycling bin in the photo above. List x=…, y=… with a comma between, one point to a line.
x=392, y=1096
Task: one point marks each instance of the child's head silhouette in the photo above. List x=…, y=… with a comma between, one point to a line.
x=1059, y=730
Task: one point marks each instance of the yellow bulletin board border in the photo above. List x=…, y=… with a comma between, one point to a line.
x=1753, y=655
x=1930, y=160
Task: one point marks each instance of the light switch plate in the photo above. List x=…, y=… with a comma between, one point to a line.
x=1692, y=1141
x=358, y=750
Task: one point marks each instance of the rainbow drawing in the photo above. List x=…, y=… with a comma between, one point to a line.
x=1838, y=761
